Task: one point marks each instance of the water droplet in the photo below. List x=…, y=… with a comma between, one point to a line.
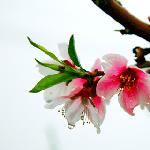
x=98, y=131
x=71, y=126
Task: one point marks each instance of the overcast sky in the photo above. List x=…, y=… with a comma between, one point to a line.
x=24, y=123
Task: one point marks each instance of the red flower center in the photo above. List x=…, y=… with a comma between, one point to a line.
x=88, y=92
x=128, y=78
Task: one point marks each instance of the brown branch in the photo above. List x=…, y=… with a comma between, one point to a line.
x=121, y=15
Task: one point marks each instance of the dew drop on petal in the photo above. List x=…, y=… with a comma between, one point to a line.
x=98, y=131
x=71, y=126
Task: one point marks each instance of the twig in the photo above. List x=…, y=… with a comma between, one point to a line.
x=121, y=15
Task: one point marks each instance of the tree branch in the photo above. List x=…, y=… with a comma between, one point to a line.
x=121, y=15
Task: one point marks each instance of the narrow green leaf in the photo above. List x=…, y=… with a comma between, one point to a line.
x=51, y=66
x=43, y=49
x=52, y=80
x=60, y=68
x=72, y=52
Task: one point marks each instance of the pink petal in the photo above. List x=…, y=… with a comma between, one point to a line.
x=78, y=82
x=115, y=64
x=99, y=104
x=129, y=99
x=140, y=73
x=115, y=59
x=78, y=86
x=143, y=85
x=144, y=90
x=107, y=86
x=97, y=65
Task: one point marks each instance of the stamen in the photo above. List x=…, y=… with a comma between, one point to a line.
x=85, y=116
x=127, y=79
x=62, y=111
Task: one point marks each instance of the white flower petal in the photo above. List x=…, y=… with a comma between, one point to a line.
x=73, y=111
x=55, y=91
x=63, y=48
x=148, y=107
x=93, y=115
x=55, y=102
x=58, y=90
x=45, y=70
x=53, y=95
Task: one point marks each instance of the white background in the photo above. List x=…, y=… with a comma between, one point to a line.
x=24, y=123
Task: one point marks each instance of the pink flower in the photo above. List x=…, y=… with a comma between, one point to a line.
x=82, y=103
x=132, y=83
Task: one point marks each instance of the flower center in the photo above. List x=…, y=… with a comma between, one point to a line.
x=128, y=78
x=87, y=92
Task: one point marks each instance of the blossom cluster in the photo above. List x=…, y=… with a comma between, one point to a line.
x=84, y=94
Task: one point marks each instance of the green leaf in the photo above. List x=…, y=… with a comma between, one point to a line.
x=73, y=71
x=72, y=52
x=43, y=49
x=51, y=66
x=60, y=68
x=52, y=80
